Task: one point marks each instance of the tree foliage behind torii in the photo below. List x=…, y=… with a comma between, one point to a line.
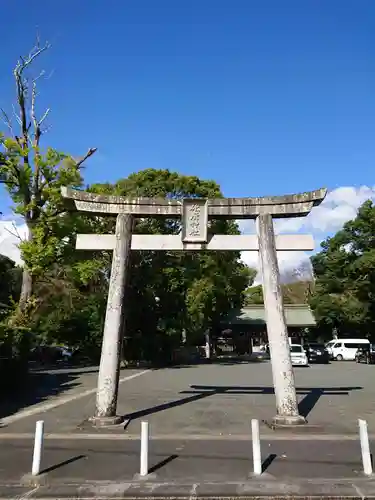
x=194, y=290
x=168, y=292
x=297, y=292
x=344, y=298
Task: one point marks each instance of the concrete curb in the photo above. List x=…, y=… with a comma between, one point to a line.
x=115, y=436
x=287, y=488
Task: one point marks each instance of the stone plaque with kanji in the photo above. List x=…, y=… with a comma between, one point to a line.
x=194, y=220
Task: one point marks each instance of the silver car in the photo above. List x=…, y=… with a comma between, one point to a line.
x=298, y=355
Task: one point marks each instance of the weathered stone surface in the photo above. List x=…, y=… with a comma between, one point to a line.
x=246, y=210
x=194, y=220
x=76, y=194
x=106, y=400
x=107, y=421
x=136, y=209
x=282, y=371
x=284, y=242
x=295, y=205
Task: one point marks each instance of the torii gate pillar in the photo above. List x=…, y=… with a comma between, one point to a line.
x=277, y=330
x=195, y=214
x=109, y=370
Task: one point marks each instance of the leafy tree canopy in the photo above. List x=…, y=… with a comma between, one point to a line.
x=194, y=289
x=10, y=279
x=293, y=293
x=168, y=292
x=344, y=296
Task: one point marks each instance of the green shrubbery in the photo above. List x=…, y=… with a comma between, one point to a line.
x=14, y=356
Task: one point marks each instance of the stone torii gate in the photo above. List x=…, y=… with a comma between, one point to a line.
x=195, y=214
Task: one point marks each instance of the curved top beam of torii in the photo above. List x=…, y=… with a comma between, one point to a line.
x=292, y=205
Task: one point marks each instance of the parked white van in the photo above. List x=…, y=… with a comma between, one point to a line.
x=345, y=349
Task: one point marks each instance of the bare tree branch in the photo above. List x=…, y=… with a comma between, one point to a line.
x=22, y=85
x=33, y=54
x=7, y=120
x=33, y=98
x=89, y=153
x=42, y=73
x=16, y=234
x=36, y=188
x=37, y=38
x=44, y=117
x=16, y=116
x=37, y=123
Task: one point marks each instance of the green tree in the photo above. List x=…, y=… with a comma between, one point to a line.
x=293, y=293
x=10, y=283
x=32, y=175
x=167, y=291
x=172, y=291
x=253, y=295
x=344, y=296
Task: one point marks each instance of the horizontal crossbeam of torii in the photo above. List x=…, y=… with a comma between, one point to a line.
x=171, y=242
x=195, y=214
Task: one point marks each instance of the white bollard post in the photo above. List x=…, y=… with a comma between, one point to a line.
x=257, y=459
x=144, y=449
x=365, y=447
x=38, y=446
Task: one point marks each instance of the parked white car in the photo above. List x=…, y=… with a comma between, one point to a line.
x=298, y=355
x=345, y=349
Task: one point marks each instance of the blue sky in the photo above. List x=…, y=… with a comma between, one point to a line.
x=264, y=96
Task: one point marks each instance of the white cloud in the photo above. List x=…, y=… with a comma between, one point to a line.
x=293, y=266
x=11, y=233
x=339, y=206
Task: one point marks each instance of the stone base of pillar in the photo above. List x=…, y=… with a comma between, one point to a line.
x=149, y=477
x=107, y=421
x=288, y=421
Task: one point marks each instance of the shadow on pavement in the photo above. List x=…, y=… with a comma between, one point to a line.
x=65, y=369
x=312, y=394
x=310, y=400
x=223, y=360
x=268, y=461
x=61, y=464
x=37, y=388
x=166, y=406
x=162, y=463
x=305, y=406
x=41, y=383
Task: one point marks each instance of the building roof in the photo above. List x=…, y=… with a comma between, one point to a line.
x=297, y=315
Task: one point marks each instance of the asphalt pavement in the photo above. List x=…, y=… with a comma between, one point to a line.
x=192, y=460
x=206, y=400
x=200, y=427
x=106, y=468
